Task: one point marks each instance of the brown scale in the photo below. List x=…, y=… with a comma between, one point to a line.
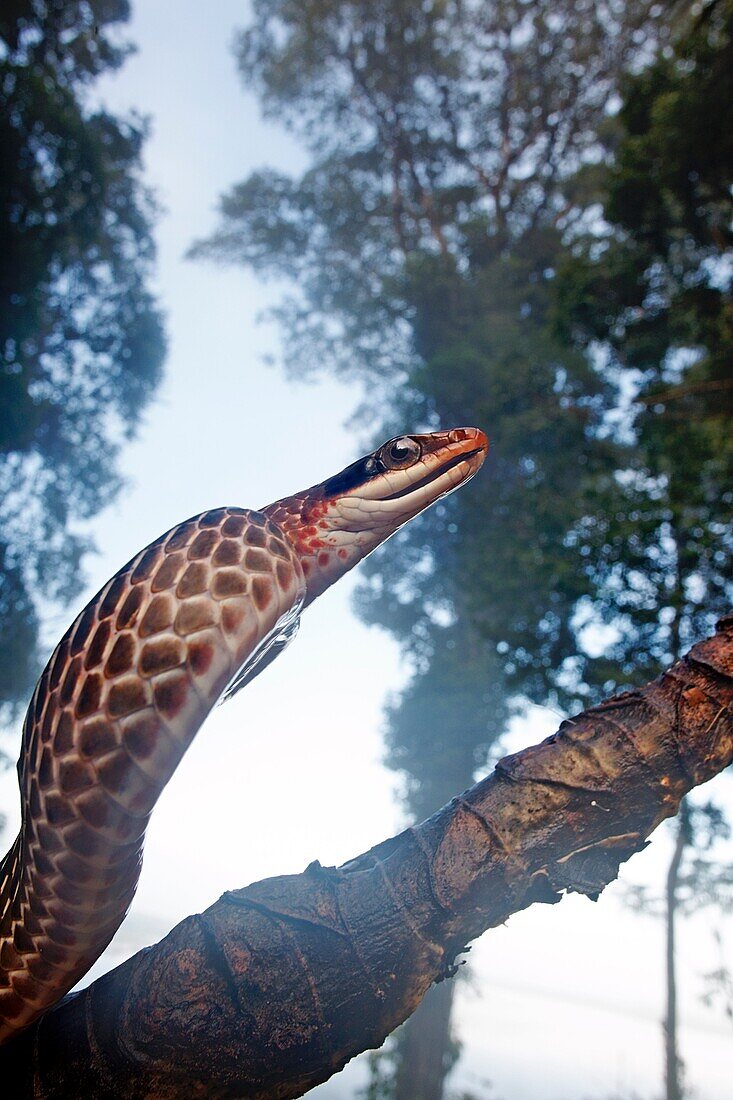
x=118, y=704
x=192, y=617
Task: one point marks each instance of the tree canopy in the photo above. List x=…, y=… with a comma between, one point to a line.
x=652, y=292
x=503, y=222
x=423, y=242
x=80, y=335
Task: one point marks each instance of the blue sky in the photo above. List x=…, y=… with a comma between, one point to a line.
x=564, y=1002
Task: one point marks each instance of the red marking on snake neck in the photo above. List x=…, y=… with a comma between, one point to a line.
x=343, y=555
x=323, y=558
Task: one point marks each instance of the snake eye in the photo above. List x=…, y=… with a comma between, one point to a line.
x=400, y=453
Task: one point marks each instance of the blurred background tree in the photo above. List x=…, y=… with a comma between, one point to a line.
x=696, y=879
x=460, y=244
x=651, y=292
x=80, y=335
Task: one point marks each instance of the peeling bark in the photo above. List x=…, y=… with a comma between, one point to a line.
x=276, y=986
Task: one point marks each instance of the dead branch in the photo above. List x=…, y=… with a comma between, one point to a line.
x=275, y=987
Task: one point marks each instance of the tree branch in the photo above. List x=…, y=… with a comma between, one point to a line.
x=677, y=392
x=275, y=987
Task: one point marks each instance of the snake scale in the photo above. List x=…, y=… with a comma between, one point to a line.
x=190, y=619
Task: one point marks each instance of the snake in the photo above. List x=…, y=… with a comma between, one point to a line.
x=184, y=625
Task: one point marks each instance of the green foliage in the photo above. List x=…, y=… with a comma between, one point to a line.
x=501, y=553
x=80, y=337
x=654, y=291
x=423, y=240
x=459, y=243
x=420, y=119
x=455, y=149
x=651, y=291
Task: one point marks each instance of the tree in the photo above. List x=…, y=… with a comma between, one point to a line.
x=423, y=241
x=274, y=987
x=695, y=879
x=80, y=336
x=654, y=291
x=440, y=729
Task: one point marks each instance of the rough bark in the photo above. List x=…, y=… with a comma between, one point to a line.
x=275, y=987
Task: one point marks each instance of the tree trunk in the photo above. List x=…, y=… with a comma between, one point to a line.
x=275, y=987
x=672, y=1062
x=425, y=1048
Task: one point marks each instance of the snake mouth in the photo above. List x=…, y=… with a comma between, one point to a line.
x=433, y=475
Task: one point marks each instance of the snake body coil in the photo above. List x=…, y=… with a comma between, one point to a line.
x=127, y=688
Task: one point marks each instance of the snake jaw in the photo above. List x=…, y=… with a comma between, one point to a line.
x=447, y=460
x=335, y=524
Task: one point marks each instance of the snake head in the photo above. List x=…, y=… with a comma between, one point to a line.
x=335, y=524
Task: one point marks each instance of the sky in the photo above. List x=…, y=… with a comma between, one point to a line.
x=564, y=1002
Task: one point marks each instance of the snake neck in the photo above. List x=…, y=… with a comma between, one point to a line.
x=117, y=706
x=332, y=526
